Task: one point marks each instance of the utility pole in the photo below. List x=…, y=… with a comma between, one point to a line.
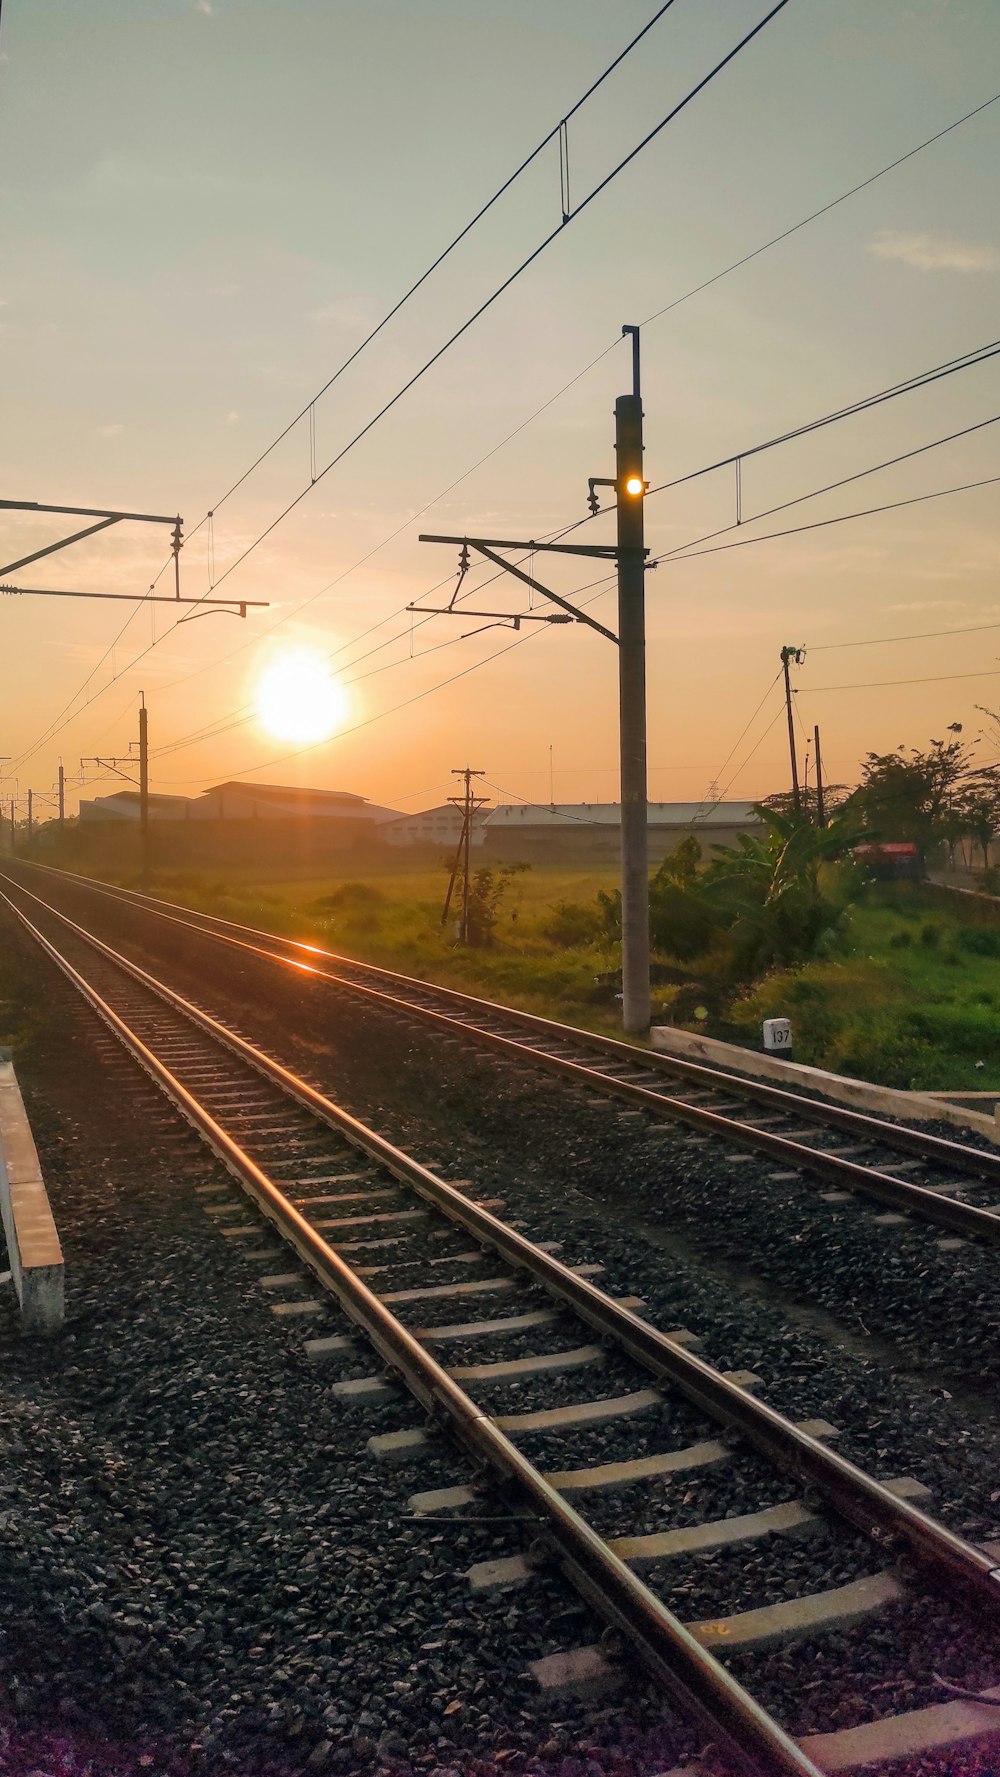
x=820, y=810
x=144, y=791
x=13, y=824
x=629, y=556
x=62, y=799
x=30, y=814
x=468, y=803
x=630, y=491
x=798, y=655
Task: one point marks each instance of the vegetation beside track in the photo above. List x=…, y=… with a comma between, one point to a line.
x=905, y=991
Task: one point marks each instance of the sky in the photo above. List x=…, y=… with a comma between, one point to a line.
x=206, y=206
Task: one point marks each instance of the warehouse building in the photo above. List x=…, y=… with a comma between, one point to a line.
x=591, y=831
x=438, y=827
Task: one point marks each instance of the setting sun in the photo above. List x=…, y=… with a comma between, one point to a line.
x=298, y=698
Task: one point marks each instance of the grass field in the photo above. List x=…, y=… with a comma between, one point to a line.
x=392, y=916
x=907, y=992
x=909, y=995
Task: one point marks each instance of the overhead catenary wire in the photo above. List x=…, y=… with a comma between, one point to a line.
x=507, y=282
x=668, y=308
x=829, y=487
x=738, y=742
x=556, y=132
x=906, y=386
x=239, y=719
x=380, y=715
x=819, y=524
x=695, y=290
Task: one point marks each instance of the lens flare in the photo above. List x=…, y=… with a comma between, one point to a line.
x=299, y=699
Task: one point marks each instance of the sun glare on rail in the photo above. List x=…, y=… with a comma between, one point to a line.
x=299, y=699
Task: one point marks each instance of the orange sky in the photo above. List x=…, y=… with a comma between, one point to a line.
x=175, y=295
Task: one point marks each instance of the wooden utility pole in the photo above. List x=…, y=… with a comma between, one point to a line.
x=820, y=810
x=468, y=803
x=798, y=655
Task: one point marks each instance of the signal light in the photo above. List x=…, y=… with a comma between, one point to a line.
x=634, y=485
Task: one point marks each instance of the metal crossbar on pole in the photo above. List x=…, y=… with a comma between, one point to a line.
x=629, y=554
x=105, y=516
x=468, y=803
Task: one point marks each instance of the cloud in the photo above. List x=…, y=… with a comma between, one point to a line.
x=930, y=252
x=203, y=6
x=352, y=312
x=111, y=431
x=232, y=418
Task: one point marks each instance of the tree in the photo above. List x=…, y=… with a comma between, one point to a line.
x=908, y=794
x=979, y=809
x=774, y=891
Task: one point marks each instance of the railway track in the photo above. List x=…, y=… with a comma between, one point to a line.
x=949, y=1184
x=402, y=1250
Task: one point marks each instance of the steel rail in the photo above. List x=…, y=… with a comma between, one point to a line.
x=668, y=1650
x=857, y=1496
x=883, y=1187
x=955, y=1156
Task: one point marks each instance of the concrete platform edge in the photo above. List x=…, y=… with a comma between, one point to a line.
x=888, y=1101
x=33, y=1247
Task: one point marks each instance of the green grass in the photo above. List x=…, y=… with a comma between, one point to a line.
x=909, y=995
x=391, y=915
x=906, y=994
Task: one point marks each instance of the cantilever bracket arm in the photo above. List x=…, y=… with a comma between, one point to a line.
x=111, y=766
x=484, y=548
x=134, y=598
x=104, y=515
x=546, y=592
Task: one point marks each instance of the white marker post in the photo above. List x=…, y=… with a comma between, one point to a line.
x=777, y=1037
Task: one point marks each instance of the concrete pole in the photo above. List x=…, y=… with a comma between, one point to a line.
x=30, y=814
x=143, y=792
x=632, y=709
x=820, y=808
x=62, y=799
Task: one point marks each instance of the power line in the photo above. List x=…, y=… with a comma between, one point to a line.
x=735, y=265
x=428, y=691
x=442, y=256
x=819, y=524
x=879, y=684
x=239, y=719
x=909, y=385
x=830, y=487
x=824, y=210
x=964, y=361
x=696, y=289
x=737, y=744
x=922, y=635
x=511, y=279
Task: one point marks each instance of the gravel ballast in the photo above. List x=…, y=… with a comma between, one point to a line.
x=561, y=1162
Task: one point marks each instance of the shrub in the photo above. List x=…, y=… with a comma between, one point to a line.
x=571, y=925
x=930, y=934
x=351, y=897
x=901, y=940
x=882, y=1052
x=979, y=940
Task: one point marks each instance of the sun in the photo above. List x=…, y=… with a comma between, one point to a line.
x=298, y=698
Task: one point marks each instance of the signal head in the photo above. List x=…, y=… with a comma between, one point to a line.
x=634, y=485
